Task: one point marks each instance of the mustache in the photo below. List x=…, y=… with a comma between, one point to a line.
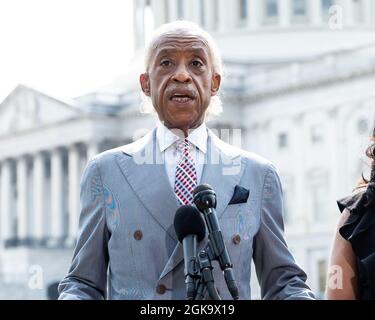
x=191, y=93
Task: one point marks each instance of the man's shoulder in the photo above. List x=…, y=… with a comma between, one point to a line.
x=124, y=150
x=248, y=157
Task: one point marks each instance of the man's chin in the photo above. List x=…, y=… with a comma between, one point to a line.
x=182, y=124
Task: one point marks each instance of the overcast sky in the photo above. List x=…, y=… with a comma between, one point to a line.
x=63, y=47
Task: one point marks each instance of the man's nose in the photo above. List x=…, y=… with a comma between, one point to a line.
x=181, y=74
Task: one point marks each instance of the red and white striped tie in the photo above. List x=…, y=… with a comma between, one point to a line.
x=186, y=176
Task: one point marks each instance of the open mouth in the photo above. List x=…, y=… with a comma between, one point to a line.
x=181, y=97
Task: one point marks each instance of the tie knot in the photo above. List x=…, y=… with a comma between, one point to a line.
x=183, y=145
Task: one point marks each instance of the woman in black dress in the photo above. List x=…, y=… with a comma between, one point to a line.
x=352, y=265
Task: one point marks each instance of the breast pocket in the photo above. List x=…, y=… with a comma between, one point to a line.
x=233, y=210
x=244, y=218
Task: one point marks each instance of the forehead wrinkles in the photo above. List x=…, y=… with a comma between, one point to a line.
x=182, y=42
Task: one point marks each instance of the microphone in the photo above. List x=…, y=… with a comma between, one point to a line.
x=190, y=229
x=204, y=197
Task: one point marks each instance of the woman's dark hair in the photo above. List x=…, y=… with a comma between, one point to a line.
x=370, y=152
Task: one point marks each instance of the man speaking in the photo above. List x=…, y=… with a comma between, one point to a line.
x=127, y=246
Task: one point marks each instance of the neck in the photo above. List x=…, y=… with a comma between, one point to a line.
x=184, y=129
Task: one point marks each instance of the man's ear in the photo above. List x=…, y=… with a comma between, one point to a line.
x=215, y=83
x=144, y=80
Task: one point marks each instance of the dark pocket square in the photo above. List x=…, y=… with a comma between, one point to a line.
x=240, y=195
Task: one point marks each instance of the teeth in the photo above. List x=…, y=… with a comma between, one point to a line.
x=181, y=99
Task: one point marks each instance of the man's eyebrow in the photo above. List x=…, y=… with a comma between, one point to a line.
x=198, y=50
x=164, y=51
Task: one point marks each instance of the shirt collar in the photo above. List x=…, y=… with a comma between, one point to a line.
x=167, y=137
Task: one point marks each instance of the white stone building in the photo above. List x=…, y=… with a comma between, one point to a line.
x=299, y=81
x=44, y=146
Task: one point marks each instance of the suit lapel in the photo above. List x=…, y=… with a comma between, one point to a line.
x=146, y=174
x=223, y=171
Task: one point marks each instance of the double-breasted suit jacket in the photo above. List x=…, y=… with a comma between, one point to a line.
x=127, y=247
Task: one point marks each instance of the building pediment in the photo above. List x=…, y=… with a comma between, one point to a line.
x=26, y=109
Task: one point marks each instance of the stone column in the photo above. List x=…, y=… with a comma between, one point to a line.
x=39, y=197
x=6, y=223
x=139, y=24
x=334, y=137
x=92, y=149
x=348, y=12
x=74, y=179
x=57, y=213
x=198, y=10
x=209, y=14
x=254, y=8
x=285, y=9
x=22, y=214
x=224, y=14
x=368, y=11
x=167, y=11
x=195, y=8
x=190, y=10
x=173, y=15
x=299, y=202
x=158, y=9
x=316, y=12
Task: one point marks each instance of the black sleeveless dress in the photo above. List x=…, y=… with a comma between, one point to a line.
x=359, y=230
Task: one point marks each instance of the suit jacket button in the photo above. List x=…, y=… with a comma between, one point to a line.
x=161, y=288
x=236, y=239
x=138, y=235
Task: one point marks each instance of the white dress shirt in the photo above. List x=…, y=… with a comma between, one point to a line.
x=168, y=139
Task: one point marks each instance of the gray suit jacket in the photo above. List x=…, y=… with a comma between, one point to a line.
x=127, y=245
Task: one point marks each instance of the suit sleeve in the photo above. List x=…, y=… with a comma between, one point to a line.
x=87, y=276
x=278, y=274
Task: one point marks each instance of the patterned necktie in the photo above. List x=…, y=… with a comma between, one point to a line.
x=186, y=176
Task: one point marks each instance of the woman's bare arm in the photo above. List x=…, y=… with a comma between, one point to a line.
x=342, y=272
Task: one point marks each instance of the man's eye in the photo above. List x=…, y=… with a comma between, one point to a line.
x=197, y=63
x=165, y=63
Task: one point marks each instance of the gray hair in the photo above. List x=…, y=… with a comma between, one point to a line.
x=182, y=27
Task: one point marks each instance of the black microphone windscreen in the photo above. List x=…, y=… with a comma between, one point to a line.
x=202, y=187
x=188, y=220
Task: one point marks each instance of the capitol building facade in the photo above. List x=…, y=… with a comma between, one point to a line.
x=298, y=86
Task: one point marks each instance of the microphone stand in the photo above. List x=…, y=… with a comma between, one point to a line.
x=200, y=276
x=205, y=201
x=206, y=280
